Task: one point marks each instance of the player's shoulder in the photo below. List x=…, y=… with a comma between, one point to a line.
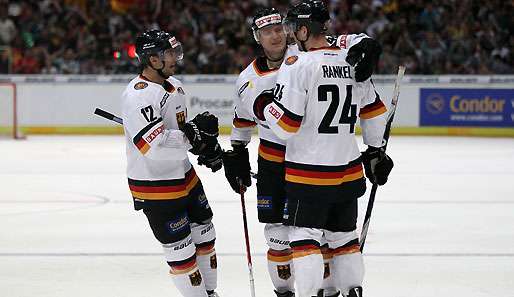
x=326, y=53
x=313, y=57
x=175, y=81
x=294, y=60
x=247, y=74
x=140, y=85
x=244, y=79
x=140, y=91
x=175, y=85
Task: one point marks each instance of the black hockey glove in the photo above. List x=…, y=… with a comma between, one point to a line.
x=237, y=167
x=377, y=165
x=212, y=158
x=202, y=132
x=264, y=98
x=195, y=138
x=364, y=57
x=208, y=124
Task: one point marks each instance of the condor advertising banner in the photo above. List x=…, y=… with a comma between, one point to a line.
x=467, y=107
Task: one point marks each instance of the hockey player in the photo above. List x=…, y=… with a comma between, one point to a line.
x=314, y=107
x=261, y=75
x=161, y=179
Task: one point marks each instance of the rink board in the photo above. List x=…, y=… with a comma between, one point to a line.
x=65, y=104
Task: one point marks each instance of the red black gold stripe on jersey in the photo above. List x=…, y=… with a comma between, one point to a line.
x=349, y=248
x=289, y=121
x=143, y=143
x=205, y=248
x=321, y=175
x=163, y=189
x=304, y=248
x=280, y=256
x=271, y=151
x=372, y=110
x=327, y=253
x=183, y=267
x=243, y=123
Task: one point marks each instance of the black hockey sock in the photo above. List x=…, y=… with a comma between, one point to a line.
x=355, y=292
x=285, y=294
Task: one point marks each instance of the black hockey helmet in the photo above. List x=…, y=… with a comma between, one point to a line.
x=310, y=13
x=155, y=42
x=265, y=17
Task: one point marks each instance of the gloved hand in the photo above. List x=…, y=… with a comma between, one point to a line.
x=195, y=138
x=207, y=124
x=237, y=167
x=202, y=132
x=264, y=98
x=377, y=165
x=213, y=158
x=364, y=57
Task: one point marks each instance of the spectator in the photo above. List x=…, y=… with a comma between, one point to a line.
x=433, y=49
x=7, y=28
x=430, y=18
x=67, y=64
x=432, y=37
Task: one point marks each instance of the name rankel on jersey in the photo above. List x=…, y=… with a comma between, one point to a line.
x=334, y=71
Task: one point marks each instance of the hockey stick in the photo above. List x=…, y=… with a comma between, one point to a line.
x=385, y=140
x=108, y=115
x=247, y=238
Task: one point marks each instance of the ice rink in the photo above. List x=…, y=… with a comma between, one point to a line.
x=442, y=226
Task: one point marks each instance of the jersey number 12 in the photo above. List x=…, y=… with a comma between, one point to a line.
x=148, y=113
x=348, y=114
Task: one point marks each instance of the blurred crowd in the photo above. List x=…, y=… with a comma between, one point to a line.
x=96, y=36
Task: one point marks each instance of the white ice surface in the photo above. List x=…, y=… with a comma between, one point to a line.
x=443, y=226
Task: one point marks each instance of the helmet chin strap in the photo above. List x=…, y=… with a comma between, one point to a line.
x=303, y=48
x=159, y=71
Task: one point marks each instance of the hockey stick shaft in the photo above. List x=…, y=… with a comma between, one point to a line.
x=247, y=240
x=107, y=115
x=385, y=141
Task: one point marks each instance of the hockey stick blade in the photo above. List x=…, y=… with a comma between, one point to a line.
x=385, y=141
x=107, y=115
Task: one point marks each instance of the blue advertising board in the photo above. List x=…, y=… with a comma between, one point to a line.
x=467, y=107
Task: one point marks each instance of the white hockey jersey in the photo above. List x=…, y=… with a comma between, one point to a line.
x=158, y=167
x=315, y=109
x=256, y=78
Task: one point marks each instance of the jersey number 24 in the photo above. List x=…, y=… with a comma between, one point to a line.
x=348, y=114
